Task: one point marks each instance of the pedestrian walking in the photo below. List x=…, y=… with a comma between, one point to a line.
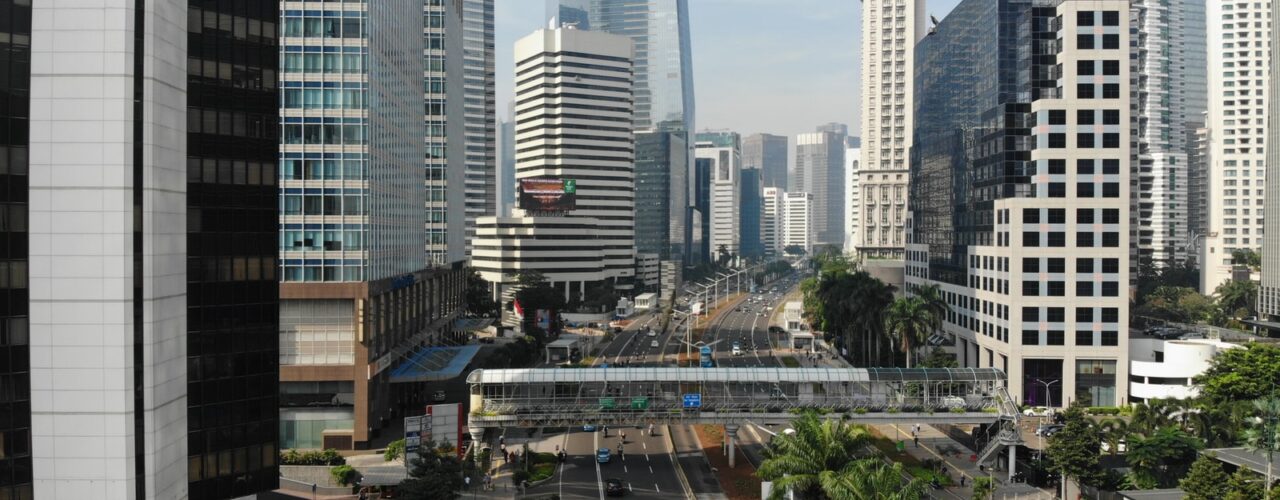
x=962, y=477
x=916, y=440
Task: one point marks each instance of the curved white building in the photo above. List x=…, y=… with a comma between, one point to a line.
x=1162, y=369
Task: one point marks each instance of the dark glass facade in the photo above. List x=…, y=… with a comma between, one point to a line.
x=971, y=143
x=702, y=206
x=232, y=242
x=751, y=201
x=15, y=380
x=661, y=193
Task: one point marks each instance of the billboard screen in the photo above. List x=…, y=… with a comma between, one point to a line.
x=547, y=194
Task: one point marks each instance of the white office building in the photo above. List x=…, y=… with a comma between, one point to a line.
x=1035, y=269
x=797, y=220
x=853, y=201
x=1239, y=37
x=771, y=225
x=726, y=168
x=573, y=117
x=891, y=29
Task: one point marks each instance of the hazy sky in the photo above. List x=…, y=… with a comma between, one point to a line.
x=777, y=66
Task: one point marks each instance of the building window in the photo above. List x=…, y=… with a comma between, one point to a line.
x=1057, y=117
x=1084, y=289
x=1096, y=382
x=1085, y=67
x=1111, y=190
x=1084, y=215
x=1084, y=140
x=1031, y=314
x=1110, y=239
x=1085, y=90
x=1111, y=216
x=1110, y=338
x=1111, y=42
x=1111, y=140
x=1057, y=265
x=1085, y=116
x=1031, y=215
x=1110, y=91
x=1110, y=266
x=1110, y=18
x=1110, y=117
x=1056, y=337
x=1030, y=239
x=1030, y=288
x=1111, y=67
x=1057, y=190
x=1084, y=338
x=1110, y=289
x=1084, y=18
x=1056, y=314
x=1084, y=189
x=1084, y=315
x=1057, y=141
x=1057, y=239
x=1030, y=265
x=1030, y=337
x=1084, y=265
x=1056, y=289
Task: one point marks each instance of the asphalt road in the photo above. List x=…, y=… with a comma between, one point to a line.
x=645, y=467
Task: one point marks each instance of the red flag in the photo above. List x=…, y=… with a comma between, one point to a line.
x=519, y=310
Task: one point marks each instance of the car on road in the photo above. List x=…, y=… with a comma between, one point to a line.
x=588, y=427
x=1046, y=430
x=439, y=396
x=652, y=333
x=737, y=349
x=614, y=487
x=653, y=343
x=603, y=455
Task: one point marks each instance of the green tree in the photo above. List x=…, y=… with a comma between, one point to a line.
x=795, y=250
x=1244, y=485
x=1264, y=436
x=1240, y=375
x=1234, y=296
x=1114, y=431
x=1074, y=450
x=909, y=321
x=535, y=293
x=1205, y=481
x=939, y=358
x=435, y=474
x=983, y=487
x=479, y=301
x=1247, y=257
x=935, y=303
x=849, y=304
x=1157, y=461
x=828, y=459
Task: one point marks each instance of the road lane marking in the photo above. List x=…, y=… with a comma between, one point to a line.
x=624, y=468
x=655, y=487
x=645, y=445
x=599, y=480
x=651, y=469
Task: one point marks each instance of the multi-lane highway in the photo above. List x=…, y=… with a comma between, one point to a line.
x=646, y=467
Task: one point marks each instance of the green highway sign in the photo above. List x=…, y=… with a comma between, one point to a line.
x=607, y=403
x=639, y=403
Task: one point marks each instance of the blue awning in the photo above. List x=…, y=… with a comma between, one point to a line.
x=430, y=364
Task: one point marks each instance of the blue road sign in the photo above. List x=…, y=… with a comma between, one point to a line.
x=693, y=400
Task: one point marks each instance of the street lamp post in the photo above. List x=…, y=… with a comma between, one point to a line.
x=1048, y=396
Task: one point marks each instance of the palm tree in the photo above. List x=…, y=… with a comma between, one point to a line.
x=933, y=301
x=909, y=321
x=1265, y=435
x=1235, y=295
x=828, y=459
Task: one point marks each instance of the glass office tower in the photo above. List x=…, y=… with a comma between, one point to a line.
x=15, y=395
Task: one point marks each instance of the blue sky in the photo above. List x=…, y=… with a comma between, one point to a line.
x=776, y=66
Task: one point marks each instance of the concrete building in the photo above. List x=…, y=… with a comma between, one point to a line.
x=1238, y=95
x=593, y=241
x=1166, y=369
x=891, y=28
x=771, y=222
x=853, y=198
x=721, y=151
x=1269, y=292
x=768, y=153
x=1036, y=269
x=139, y=270
x=797, y=221
x=819, y=171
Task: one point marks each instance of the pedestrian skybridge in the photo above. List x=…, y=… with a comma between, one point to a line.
x=555, y=397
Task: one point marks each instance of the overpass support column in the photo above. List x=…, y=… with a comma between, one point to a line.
x=477, y=436
x=730, y=436
x=1013, y=461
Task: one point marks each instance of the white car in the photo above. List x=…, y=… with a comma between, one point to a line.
x=653, y=343
x=652, y=333
x=737, y=351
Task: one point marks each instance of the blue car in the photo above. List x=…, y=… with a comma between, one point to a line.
x=588, y=428
x=603, y=455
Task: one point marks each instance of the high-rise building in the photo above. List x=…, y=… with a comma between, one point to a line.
x=478, y=110
x=1031, y=250
x=750, y=209
x=15, y=339
x=819, y=171
x=891, y=29
x=797, y=220
x=506, y=167
x=1236, y=164
x=721, y=151
x=153, y=250
x=771, y=223
x=661, y=194
x=1158, y=178
x=853, y=200
x=594, y=240
x=1197, y=191
x=768, y=153
x=1269, y=292
x=700, y=212
x=360, y=287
